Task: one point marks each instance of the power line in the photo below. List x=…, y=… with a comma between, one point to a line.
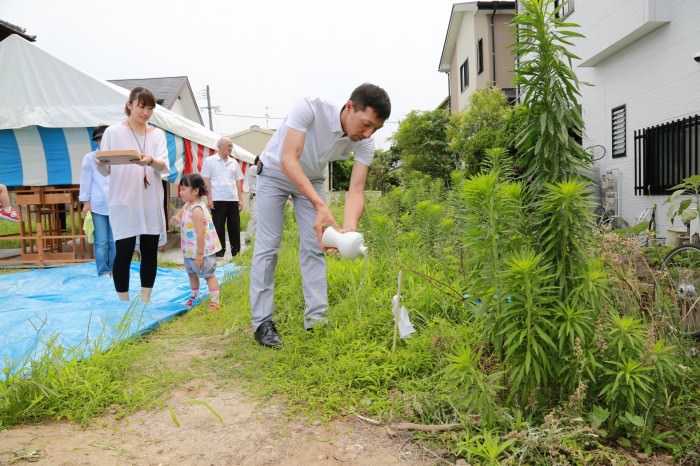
x=248, y=116
x=234, y=115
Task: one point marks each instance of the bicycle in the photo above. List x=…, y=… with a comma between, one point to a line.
x=646, y=226
x=607, y=219
x=677, y=292
x=596, y=151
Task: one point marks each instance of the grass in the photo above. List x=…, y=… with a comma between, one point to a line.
x=9, y=229
x=345, y=368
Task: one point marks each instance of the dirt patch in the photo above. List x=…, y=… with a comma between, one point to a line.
x=203, y=424
x=248, y=433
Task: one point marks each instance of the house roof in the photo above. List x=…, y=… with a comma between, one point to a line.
x=458, y=11
x=7, y=29
x=252, y=129
x=166, y=89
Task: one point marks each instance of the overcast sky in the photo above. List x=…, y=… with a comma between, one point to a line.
x=257, y=56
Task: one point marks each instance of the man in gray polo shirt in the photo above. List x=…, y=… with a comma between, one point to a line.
x=316, y=131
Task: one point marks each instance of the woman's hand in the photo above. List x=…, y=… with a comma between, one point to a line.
x=143, y=160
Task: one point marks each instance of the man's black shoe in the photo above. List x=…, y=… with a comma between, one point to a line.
x=266, y=335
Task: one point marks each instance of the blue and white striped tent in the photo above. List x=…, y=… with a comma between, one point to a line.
x=40, y=156
x=48, y=110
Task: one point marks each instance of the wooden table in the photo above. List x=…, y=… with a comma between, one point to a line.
x=51, y=230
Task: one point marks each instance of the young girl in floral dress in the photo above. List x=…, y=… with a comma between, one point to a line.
x=198, y=239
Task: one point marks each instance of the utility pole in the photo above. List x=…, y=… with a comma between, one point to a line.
x=267, y=118
x=211, y=124
x=205, y=93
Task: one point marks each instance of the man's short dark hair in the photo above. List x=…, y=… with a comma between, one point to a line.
x=98, y=132
x=369, y=95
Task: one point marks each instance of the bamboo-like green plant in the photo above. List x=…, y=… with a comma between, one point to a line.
x=577, y=362
x=526, y=325
x=629, y=385
x=476, y=390
x=626, y=336
x=626, y=382
x=550, y=91
x=491, y=210
x=497, y=159
x=564, y=227
x=486, y=448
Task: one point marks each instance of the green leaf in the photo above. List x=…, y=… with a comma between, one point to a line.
x=634, y=419
x=625, y=442
x=597, y=416
x=689, y=215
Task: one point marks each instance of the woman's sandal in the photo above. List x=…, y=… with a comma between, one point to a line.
x=213, y=306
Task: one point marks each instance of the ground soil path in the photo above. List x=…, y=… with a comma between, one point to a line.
x=185, y=431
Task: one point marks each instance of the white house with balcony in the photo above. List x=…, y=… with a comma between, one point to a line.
x=641, y=59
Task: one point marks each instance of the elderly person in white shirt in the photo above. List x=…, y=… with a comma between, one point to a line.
x=223, y=177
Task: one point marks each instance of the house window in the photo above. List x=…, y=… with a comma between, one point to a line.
x=619, y=131
x=666, y=154
x=464, y=75
x=567, y=7
x=480, y=56
x=511, y=94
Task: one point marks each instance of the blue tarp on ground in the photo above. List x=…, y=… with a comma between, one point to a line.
x=74, y=306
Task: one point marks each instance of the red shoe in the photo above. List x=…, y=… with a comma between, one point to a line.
x=10, y=215
x=191, y=300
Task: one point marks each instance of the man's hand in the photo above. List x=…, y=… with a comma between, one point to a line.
x=324, y=217
x=86, y=207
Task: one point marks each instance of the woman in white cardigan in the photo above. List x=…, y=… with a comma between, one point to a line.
x=136, y=192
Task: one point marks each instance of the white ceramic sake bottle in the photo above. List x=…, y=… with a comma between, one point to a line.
x=350, y=244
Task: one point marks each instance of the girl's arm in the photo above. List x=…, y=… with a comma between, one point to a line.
x=200, y=230
x=177, y=218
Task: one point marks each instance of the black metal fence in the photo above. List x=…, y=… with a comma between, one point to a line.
x=666, y=154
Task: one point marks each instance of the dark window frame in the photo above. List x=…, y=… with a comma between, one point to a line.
x=618, y=126
x=568, y=7
x=464, y=76
x=479, y=56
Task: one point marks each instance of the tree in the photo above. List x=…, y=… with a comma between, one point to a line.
x=340, y=174
x=421, y=144
x=488, y=122
x=382, y=173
